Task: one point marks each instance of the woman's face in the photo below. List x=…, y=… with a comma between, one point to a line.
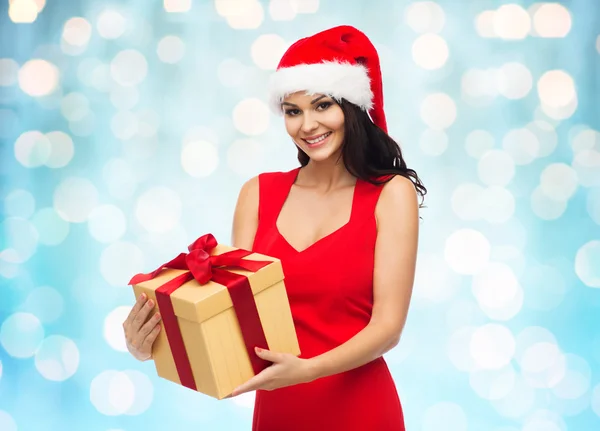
x=315, y=123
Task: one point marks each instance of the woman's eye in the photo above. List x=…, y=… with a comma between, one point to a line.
x=323, y=106
x=291, y=112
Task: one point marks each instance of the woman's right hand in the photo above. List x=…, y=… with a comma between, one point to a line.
x=141, y=332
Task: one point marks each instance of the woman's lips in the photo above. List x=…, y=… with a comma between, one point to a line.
x=319, y=143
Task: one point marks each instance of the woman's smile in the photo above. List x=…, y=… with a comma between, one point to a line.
x=318, y=140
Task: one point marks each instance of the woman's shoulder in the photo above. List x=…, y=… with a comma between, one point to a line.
x=396, y=191
x=393, y=188
x=383, y=180
x=274, y=175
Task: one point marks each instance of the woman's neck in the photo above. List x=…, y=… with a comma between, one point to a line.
x=326, y=175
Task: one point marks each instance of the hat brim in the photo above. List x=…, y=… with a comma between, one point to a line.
x=337, y=80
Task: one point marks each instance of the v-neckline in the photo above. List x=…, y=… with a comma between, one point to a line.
x=289, y=185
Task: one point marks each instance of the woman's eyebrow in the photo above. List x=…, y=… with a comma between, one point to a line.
x=317, y=99
x=312, y=102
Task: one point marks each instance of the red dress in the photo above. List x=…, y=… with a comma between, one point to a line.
x=331, y=299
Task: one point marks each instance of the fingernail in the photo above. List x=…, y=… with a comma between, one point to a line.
x=143, y=296
x=258, y=349
x=151, y=302
x=158, y=316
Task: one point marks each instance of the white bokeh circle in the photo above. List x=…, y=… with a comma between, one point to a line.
x=75, y=106
x=438, y=111
x=467, y=251
x=21, y=335
x=492, y=346
x=543, y=365
x=251, y=116
x=7, y=423
x=128, y=392
x=496, y=168
x=38, y=77
x=113, y=328
x=129, y=67
x=143, y=392
x=61, y=149
x=498, y=292
x=587, y=263
x=57, y=359
x=112, y=393
x=75, y=198
x=120, y=179
x=246, y=157
x=425, y=16
x=478, y=142
x=32, y=149
x=556, y=89
x=282, y=10
x=459, y=349
x=576, y=381
x=467, y=201
x=20, y=239
x=199, y=158
x=551, y=20
x=19, y=203
x=267, y=50
x=177, y=6
x=558, y=181
x=119, y=262
x=434, y=280
x=241, y=14
x=77, y=32
x=522, y=145
x=45, y=302
x=493, y=384
x=433, y=142
x=430, y=51
x=159, y=209
x=170, y=49
x=498, y=204
x=545, y=207
x=51, y=228
x=111, y=24
x=107, y=223
x=514, y=80
x=518, y=402
x=511, y=21
x=586, y=165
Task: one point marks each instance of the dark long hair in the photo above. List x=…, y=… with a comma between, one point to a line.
x=368, y=152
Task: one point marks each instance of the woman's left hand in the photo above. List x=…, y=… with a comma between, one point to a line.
x=286, y=370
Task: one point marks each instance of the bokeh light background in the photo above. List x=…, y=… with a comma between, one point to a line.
x=127, y=129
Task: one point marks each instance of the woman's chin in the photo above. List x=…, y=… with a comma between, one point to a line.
x=321, y=156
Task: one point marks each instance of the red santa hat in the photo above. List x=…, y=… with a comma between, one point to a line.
x=340, y=62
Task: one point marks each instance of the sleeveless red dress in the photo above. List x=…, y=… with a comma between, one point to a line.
x=330, y=289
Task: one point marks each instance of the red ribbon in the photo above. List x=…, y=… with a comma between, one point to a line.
x=203, y=267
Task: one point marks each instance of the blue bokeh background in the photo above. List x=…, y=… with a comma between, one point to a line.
x=127, y=129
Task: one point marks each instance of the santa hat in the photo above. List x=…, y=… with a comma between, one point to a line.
x=340, y=62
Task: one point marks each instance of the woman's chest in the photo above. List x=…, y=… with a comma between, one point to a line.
x=339, y=268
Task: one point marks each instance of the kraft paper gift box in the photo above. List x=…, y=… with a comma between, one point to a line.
x=216, y=304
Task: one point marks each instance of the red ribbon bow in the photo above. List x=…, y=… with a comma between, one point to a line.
x=203, y=267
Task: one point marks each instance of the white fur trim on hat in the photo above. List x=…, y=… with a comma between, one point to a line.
x=338, y=80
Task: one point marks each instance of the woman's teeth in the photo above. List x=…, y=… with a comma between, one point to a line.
x=319, y=139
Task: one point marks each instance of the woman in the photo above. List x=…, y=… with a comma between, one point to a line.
x=345, y=226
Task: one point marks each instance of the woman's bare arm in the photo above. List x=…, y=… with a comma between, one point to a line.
x=245, y=218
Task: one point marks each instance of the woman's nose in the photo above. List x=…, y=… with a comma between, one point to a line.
x=309, y=123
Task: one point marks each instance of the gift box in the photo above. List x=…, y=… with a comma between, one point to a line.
x=217, y=303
